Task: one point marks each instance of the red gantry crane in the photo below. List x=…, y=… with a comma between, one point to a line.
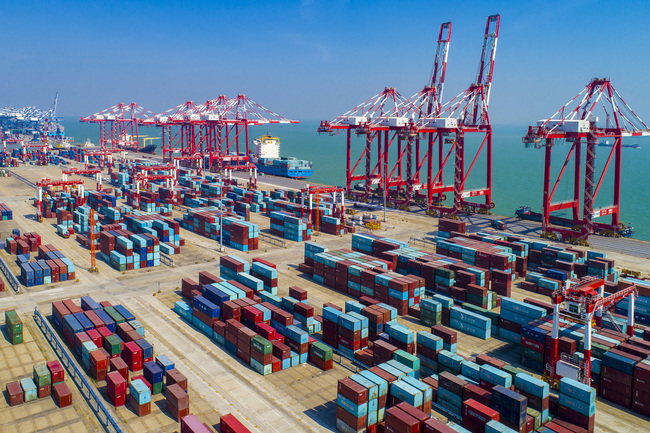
x=141, y=183
x=92, y=172
x=403, y=124
x=598, y=112
x=360, y=121
x=236, y=116
x=106, y=157
x=45, y=183
x=196, y=162
x=118, y=125
x=311, y=191
x=179, y=128
x=217, y=129
x=584, y=300
x=408, y=122
x=468, y=113
x=42, y=146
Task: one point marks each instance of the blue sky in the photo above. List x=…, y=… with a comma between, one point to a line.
x=315, y=59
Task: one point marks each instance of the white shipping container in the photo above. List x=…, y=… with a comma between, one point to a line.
x=355, y=120
x=394, y=121
x=576, y=126
x=444, y=122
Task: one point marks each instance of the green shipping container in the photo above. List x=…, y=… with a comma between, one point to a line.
x=117, y=317
x=113, y=345
x=407, y=359
x=261, y=345
x=477, y=300
x=321, y=351
x=428, y=319
x=445, y=273
x=531, y=354
x=157, y=388
x=428, y=314
x=495, y=301
x=17, y=339
x=598, y=350
x=42, y=376
x=13, y=323
x=512, y=370
x=537, y=416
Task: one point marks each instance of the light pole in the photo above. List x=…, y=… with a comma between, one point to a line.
x=220, y=212
x=385, y=185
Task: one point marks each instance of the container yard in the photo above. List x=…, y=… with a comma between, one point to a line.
x=425, y=307
x=174, y=291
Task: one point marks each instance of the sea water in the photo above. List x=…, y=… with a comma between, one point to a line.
x=517, y=171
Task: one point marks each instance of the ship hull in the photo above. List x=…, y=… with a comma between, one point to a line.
x=283, y=172
x=148, y=149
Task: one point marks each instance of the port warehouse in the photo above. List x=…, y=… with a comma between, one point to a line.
x=468, y=342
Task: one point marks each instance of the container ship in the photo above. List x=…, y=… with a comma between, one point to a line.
x=149, y=148
x=625, y=146
x=267, y=159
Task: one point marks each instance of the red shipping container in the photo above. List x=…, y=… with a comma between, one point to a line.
x=62, y=395
x=177, y=398
x=297, y=293
x=57, y=372
x=118, y=365
x=229, y=424
x=71, y=306
x=95, y=337
x=117, y=399
x=115, y=383
x=94, y=319
x=433, y=425
x=44, y=391
x=476, y=415
x=79, y=339
x=132, y=354
x=401, y=422
x=351, y=390
x=98, y=360
x=191, y=424
x=448, y=336
x=139, y=409
x=266, y=331
x=59, y=310
x=252, y=314
x=304, y=309
x=14, y=393
x=104, y=332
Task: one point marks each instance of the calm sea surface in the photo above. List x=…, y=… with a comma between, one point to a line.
x=517, y=171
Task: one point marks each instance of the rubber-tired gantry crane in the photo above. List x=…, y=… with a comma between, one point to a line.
x=312, y=193
x=46, y=183
x=579, y=125
x=142, y=177
x=583, y=300
x=97, y=173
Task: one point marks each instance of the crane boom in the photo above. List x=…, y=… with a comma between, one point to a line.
x=440, y=66
x=486, y=65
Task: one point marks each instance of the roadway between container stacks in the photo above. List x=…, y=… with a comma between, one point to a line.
x=215, y=376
